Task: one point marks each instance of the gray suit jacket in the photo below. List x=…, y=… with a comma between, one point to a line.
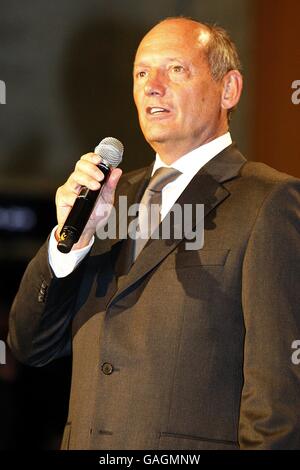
x=184, y=349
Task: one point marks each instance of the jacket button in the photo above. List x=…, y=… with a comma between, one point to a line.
x=107, y=368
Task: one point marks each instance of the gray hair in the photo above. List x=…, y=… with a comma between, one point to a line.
x=221, y=52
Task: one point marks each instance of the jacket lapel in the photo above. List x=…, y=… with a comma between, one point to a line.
x=132, y=187
x=133, y=191
x=205, y=188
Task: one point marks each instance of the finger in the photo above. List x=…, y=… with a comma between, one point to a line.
x=65, y=198
x=78, y=179
x=111, y=184
x=91, y=157
x=90, y=169
x=114, y=178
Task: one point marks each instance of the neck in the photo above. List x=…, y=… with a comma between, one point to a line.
x=170, y=152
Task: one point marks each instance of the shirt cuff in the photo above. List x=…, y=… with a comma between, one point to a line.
x=64, y=264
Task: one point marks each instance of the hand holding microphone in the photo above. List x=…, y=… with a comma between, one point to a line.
x=90, y=188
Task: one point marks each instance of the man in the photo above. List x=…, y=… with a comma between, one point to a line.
x=177, y=349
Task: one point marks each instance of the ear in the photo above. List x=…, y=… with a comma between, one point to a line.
x=232, y=89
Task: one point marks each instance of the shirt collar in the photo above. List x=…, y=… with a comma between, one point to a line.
x=193, y=161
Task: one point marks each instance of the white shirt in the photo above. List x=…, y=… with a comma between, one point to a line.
x=189, y=164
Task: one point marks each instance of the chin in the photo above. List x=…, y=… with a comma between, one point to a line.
x=157, y=137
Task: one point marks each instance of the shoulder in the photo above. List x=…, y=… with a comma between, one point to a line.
x=263, y=174
x=278, y=192
x=259, y=178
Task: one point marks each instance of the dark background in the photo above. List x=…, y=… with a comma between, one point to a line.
x=67, y=66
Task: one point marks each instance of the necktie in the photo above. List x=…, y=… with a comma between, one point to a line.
x=149, y=209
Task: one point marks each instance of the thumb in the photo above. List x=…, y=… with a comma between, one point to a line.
x=111, y=184
x=114, y=177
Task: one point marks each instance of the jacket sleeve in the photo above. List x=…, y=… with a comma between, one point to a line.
x=41, y=315
x=270, y=404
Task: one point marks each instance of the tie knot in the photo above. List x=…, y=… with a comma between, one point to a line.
x=162, y=177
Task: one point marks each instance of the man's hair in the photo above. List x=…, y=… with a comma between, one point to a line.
x=222, y=56
x=221, y=52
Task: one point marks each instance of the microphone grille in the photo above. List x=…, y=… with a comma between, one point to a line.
x=111, y=150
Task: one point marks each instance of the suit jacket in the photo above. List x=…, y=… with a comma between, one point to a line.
x=185, y=349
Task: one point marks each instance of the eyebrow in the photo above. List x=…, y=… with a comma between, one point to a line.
x=167, y=59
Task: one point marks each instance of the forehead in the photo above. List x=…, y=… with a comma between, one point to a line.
x=172, y=40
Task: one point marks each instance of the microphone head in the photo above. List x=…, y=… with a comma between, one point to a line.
x=111, y=150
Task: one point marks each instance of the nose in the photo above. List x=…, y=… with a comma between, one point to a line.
x=155, y=85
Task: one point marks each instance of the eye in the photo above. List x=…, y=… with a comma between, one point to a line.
x=178, y=68
x=141, y=74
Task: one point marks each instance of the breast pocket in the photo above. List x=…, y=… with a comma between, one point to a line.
x=181, y=442
x=188, y=259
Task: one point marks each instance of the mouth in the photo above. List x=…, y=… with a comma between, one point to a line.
x=157, y=111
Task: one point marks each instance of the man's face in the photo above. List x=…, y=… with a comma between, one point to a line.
x=178, y=102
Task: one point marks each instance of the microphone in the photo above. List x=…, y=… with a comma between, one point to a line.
x=110, y=151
